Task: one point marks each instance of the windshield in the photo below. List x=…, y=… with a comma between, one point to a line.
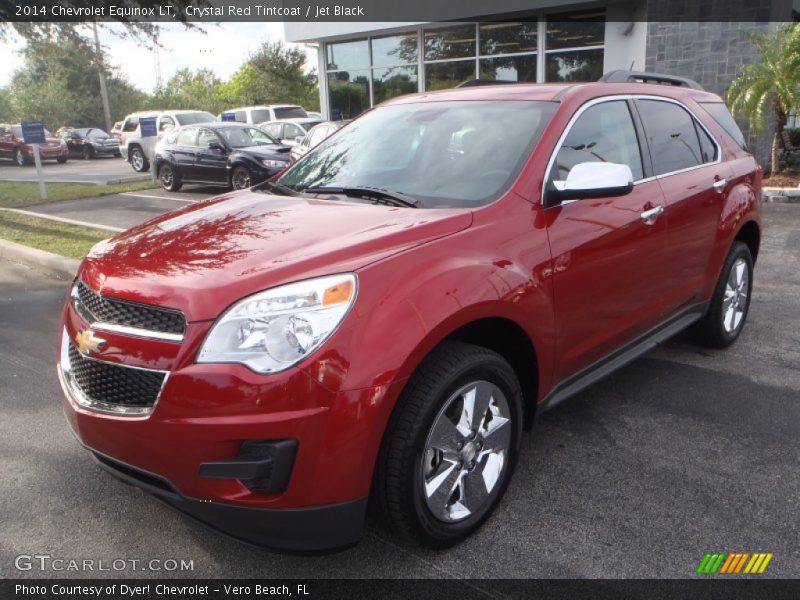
x=194, y=117
x=290, y=112
x=97, y=134
x=242, y=137
x=443, y=154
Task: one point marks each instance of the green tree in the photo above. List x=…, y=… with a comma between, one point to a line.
x=770, y=87
x=274, y=74
x=58, y=84
x=200, y=89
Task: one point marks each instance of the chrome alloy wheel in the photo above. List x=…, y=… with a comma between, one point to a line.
x=241, y=179
x=167, y=177
x=137, y=159
x=737, y=289
x=467, y=450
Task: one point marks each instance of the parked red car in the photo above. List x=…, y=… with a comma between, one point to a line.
x=12, y=146
x=385, y=319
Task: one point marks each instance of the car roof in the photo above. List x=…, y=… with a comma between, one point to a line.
x=161, y=112
x=555, y=92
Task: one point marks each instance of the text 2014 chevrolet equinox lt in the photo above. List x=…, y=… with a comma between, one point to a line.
x=384, y=319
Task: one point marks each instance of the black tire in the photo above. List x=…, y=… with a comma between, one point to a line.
x=398, y=494
x=20, y=158
x=61, y=160
x=711, y=330
x=138, y=159
x=168, y=178
x=241, y=179
x=117, y=154
x=87, y=153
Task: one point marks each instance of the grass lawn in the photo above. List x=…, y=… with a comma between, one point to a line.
x=58, y=238
x=19, y=195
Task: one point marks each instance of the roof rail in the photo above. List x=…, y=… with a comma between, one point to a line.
x=622, y=76
x=481, y=82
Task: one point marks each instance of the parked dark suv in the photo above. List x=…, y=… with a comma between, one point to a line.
x=382, y=321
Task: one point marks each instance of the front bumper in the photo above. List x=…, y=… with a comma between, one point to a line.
x=193, y=442
x=311, y=529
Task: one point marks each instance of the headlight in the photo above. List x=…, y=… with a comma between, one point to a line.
x=273, y=163
x=275, y=329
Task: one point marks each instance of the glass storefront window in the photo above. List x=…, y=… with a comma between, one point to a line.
x=579, y=65
x=508, y=38
x=509, y=68
x=347, y=55
x=349, y=93
x=393, y=81
x=442, y=76
x=575, y=31
x=453, y=42
x=395, y=50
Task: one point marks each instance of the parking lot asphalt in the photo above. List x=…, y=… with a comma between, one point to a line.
x=682, y=452
x=127, y=209
x=102, y=171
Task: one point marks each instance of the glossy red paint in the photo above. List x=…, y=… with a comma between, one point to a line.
x=579, y=280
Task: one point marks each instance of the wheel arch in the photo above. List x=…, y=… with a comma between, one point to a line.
x=750, y=234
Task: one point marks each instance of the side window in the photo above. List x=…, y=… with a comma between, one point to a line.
x=240, y=116
x=206, y=137
x=672, y=136
x=292, y=131
x=187, y=136
x=274, y=130
x=130, y=124
x=603, y=133
x=166, y=123
x=708, y=148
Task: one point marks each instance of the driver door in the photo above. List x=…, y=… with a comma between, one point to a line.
x=608, y=253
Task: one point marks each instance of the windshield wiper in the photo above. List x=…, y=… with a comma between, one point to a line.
x=380, y=195
x=283, y=190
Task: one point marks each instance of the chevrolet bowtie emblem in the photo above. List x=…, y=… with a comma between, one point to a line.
x=87, y=342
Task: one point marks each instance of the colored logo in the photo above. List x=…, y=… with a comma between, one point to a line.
x=734, y=563
x=87, y=342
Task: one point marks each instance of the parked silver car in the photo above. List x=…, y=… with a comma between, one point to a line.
x=135, y=150
x=289, y=131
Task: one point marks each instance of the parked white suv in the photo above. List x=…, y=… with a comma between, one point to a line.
x=254, y=115
x=131, y=145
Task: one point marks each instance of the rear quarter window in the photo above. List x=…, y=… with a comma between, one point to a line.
x=720, y=113
x=130, y=124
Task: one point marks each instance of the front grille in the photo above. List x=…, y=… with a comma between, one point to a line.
x=129, y=314
x=116, y=386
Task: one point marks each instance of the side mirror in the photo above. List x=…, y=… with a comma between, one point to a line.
x=215, y=146
x=592, y=180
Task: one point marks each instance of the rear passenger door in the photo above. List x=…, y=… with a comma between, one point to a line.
x=185, y=152
x=688, y=167
x=608, y=253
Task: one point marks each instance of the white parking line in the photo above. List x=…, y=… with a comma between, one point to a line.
x=63, y=220
x=158, y=197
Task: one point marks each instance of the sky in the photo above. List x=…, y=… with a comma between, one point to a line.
x=221, y=48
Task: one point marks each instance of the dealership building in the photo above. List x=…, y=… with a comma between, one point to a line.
x=363, y=64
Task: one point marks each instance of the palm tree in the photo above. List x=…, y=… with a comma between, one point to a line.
x=771, y=83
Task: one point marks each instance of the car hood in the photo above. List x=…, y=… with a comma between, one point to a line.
x=265, y=151
x=202, y=258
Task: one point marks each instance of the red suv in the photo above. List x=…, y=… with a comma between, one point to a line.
x=385, y=318
x=12, y=146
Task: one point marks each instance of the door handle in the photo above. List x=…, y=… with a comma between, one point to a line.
x=719, y=185
x=652, y=214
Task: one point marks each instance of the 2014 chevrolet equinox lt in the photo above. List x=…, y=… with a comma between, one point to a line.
x=385, y=318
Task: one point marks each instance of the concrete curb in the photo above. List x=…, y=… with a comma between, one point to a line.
x=117, y=181
x=781, y=195
x=59, y=266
